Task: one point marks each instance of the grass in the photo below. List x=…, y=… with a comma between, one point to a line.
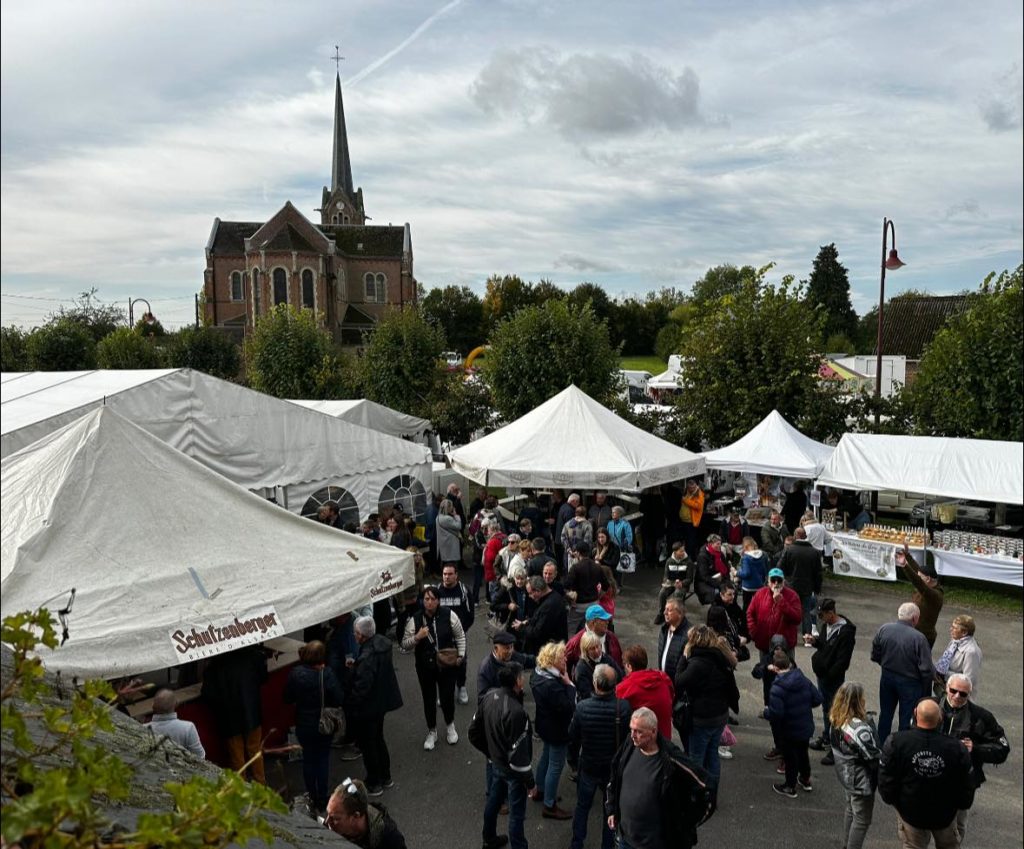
x=962, y=593
x=652, y=364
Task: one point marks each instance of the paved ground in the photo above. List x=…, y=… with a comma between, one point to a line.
x=438, y=797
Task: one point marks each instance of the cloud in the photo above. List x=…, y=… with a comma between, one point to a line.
x=585, y=95
x=1003, y=109
x=578, y=262
x=968, y=208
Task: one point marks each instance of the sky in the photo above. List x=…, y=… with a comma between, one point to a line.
x=632, y=145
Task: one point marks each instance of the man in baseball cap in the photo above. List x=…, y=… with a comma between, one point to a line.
x=597, y=622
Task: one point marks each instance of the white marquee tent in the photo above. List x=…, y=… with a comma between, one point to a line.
x=773, y=447
x=982, y=469
x=571, y=440
x=257, y=441
x=169, y=561
x=372, y=415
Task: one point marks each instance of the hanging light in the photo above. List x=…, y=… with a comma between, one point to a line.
x=894, y=261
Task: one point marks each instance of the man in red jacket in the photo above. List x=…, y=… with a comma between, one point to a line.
x=495, y=542
x=774, y=610
x=597, y=620
x=643, y=687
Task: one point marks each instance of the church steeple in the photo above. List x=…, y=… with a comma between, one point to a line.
x=341, y=165
x=342, y=203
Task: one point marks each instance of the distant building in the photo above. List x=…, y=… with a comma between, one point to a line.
x=345, y=269
x=909, y=324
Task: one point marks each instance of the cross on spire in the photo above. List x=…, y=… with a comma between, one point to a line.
x=337, y=57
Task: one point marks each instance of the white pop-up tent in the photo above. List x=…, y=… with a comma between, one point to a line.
x=372, y=415
x=982, y=469
x=571, y=440
x=773, y=447
x=257, y=441
x=169, y=562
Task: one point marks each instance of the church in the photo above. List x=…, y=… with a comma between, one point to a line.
x=344, y=269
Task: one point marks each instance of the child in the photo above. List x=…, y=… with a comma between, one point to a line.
x=791, y=713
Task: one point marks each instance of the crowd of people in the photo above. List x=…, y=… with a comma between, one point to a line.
x=647, y=732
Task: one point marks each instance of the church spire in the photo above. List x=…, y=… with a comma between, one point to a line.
x=341, y=165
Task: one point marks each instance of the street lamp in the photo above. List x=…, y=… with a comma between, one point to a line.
x=890, y=261
x=147, y=316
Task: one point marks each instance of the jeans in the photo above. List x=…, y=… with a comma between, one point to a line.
x=369, y=737
x=506, y=786
x=437, y=684
x=316, y=761
x=857, y=819
x=798, y=762
x=478, y=577
x=549, y=771
x=809, y=616
x=893, y=689
x=586, y=788
x=703, y=748
x=828, y=694
x=460, y=670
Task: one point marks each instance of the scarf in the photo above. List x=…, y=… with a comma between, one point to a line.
x=719, y=561
x=942, y=667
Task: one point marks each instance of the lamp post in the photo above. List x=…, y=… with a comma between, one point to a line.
x=890, y=261
x=147, y=316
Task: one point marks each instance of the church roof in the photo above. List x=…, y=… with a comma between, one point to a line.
x=341, y=165
x=289, y=239
x=910, y=323
x=354, y=315
x=368, y=240
x=229, y=240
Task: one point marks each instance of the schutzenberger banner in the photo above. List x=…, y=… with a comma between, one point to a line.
x=197, y=640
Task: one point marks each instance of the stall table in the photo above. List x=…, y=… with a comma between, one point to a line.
x=981, y=567
x=867, y=558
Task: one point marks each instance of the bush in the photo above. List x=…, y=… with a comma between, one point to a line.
x=126, y=349
x=204, y=349
x=61, y=345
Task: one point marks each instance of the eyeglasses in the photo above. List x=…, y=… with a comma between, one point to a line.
x=953, y=691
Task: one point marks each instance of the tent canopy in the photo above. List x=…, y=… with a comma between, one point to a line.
x=252, y=439
x=571, y=440
x=773, y=447
x=981, y=469
x=371, y=415
x=666, y=380
x=158, y=547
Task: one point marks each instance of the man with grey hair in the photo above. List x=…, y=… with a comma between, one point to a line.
x=656, y=795
x=548, y=622
x=907, y=671
x=597, y=730
x=165, y=723
x=373, y=692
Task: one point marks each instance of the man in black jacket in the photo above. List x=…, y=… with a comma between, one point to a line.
x=672, y=636
x=659, y=796
x=509, y=740
x=547, y=623
x=502, y=654
x=232, y=687
x=801, y=563
x=977, y=729
x=372, y=693
x=598, y=728
x=926, y=777
x=834, y=650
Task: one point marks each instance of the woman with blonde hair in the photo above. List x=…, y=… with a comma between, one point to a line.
x=555, y=698
x=961, y=657
x=855, y=748
x=592, y=655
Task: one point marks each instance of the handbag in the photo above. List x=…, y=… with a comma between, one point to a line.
x=332, y=719
x=627, y=562
x=446, y=658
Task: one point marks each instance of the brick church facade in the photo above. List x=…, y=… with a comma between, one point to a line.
x=347, y=271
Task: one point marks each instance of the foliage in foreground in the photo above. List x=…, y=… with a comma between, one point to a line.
x=58, y=778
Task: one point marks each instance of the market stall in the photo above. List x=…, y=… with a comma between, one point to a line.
x=984, y=470
x=571, y=440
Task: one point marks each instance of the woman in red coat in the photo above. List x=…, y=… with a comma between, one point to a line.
x=643, y=687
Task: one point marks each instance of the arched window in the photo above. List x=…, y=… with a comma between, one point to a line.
x=308, y=299
x=255, y=292
x=376, y=287
x=407, y=491
x=334, y=219
x=236, y=286
x=280, y=286
x=348, y=509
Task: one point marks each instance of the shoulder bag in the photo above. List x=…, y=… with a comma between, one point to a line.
x=332, y=719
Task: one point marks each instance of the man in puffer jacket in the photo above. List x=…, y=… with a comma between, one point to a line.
x=791, y=713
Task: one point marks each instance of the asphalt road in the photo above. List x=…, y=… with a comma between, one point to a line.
x=439, y=795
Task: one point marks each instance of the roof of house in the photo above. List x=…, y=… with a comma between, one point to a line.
x=288, y=238
x=229, y=239
x=362, y=241
x=909, y=324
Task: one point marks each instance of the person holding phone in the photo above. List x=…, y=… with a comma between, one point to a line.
x=928, y=593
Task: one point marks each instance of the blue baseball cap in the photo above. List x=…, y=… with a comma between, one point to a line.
x=595, y=611
x=776, y=573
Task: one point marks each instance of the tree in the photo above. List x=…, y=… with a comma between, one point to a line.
x=970, y=380
x=126, y=349
x=98, y=318
x=289, y=355
x=62, y=344
x=13, y=353
x=459, y=406
x=828, y=289
x=753, y=351
x=545, y=290
x=60, y=780
x=402, y=363
x=720, y=281
x=504, y=296
x=205, y=349
x=540, y=350
x=458, y=312
x=604, y=307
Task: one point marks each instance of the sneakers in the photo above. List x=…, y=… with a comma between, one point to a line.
x=496, y=842
x=374, y=790
x=389, y=784
x=783, y=790
x=725, y=753
x=819, y=744
x=350, y=753
x=556, y=813
x=451, y=735
x=771, y=754
x=805, y=785
x=463, y=696
x=781, y=768
x=431, y=740
x=828, y=760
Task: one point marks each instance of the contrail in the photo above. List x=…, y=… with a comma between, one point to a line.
x=416, y=33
